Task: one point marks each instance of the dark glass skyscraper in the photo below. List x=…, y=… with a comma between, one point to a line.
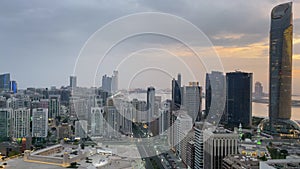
x=73, y=81
x=150, y=106
x=176, y=93
x=281, y=36
x=239, y=98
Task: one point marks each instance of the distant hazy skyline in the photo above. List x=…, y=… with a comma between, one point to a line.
x=40, y=40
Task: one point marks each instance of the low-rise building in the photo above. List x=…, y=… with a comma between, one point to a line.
x=240, y=162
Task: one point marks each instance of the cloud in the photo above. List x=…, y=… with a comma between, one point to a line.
x=228, y=36
x=40, y=34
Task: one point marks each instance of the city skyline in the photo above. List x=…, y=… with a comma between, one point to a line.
x=185, y=85
x=240, y=46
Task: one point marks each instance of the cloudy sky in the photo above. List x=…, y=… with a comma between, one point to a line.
x=40, y=41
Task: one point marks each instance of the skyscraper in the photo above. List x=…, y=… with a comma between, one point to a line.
x=112, y=121
x=97, y=121
x=199, y=152
x=183, y=125
x=165, y=113
x=125, y=116
x=239, y=98
x=54, y=106
x=106, y=83
x=199, y=127
x=73, y=81
x=176, y=93
x=13, y=86
x=5, y=82
x=192, y=95
x=5, y=115
x=20, y=122
x=215, y=92
x=281, y=37
x=40, y=122
x=115, y=81
x=150, y=105
x=258, y=90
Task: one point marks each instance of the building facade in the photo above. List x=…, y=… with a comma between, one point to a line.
x=150, y=106
x=13, y=86
x=199, y=152
x=192, y=99
x=5, y=122
x=97, y=121
x=20, y=123
x=240, y=162
x=280, y=63
x=218, y=143
x=115, y=81
x=81, y=129
x=239, y=98
x=54, y=106
x=176, y=93
x=5, y=82
x=39, y=122
x=258, y=90
x=215, y=96
x=73, y=81
x=106, y=83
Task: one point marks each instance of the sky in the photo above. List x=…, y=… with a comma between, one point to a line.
x=41, y=42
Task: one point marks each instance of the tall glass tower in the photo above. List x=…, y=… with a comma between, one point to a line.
x=281, y=37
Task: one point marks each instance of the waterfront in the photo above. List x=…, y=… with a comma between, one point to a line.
x=262, y=110
x=258, y=109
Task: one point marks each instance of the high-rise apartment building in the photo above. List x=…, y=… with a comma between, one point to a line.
x=126, y=117
x=199, y=127
x=199, y=152
x=5, y=122
x=190, y=154
x=39, y=122
x=112, y=121
x=20, y=123
x=54, y=106
x=186, y=153
x=139, y=110
x=97, y=121
x=183, y=125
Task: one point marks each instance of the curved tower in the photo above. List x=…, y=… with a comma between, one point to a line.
x=281, y=37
